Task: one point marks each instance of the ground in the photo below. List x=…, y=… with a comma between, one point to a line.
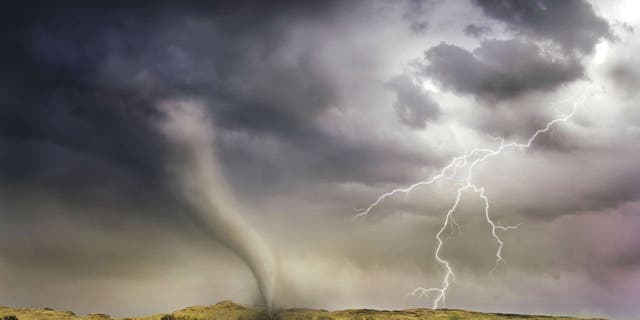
x=227, y=310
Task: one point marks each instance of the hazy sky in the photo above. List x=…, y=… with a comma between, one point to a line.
x=313, y=109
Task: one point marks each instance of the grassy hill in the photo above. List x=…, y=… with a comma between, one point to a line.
x=227, y=310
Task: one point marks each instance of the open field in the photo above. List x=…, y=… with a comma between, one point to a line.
x=227, y=310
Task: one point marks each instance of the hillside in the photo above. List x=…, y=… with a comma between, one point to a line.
x=227, y=310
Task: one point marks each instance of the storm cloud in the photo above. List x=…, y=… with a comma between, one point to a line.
x=317, y=109
x=476, y=31
x=414, y=106
x=502, y=69
x=573, y=24
x=499, y=69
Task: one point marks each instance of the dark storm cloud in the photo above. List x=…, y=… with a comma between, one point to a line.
x=476, y=31
x=572, y=24
x=311, y=122
x=499, y=69
x=60, y=130
x=86, y=78
x=83, y=82
x=414, y=106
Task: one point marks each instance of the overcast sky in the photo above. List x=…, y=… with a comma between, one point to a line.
x=314, y=109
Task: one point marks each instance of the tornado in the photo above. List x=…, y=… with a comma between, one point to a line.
x=188, y=129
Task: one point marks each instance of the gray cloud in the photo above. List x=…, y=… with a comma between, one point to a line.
x=263, y=81
x=476, y=31
x=572, y=24
x=419, y=27
x=414, y=106
x=627, y=76
x=499, y=69
x=311, y=120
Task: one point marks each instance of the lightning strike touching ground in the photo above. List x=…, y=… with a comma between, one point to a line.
x=469, y=160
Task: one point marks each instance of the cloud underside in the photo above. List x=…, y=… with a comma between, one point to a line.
x=505, y=69
x=571, y=24
x=414, y=106
x=499, y=69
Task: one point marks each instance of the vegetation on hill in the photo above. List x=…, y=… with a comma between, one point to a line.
x=227, y=310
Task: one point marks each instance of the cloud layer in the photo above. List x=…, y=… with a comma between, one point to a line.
x=499, y=69
x=318, y=109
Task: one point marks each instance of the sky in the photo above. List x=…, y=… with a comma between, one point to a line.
x=117, y=119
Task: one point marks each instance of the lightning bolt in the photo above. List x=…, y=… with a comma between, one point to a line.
x=469, y=160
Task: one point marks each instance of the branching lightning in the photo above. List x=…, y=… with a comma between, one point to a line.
x=469, y=161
